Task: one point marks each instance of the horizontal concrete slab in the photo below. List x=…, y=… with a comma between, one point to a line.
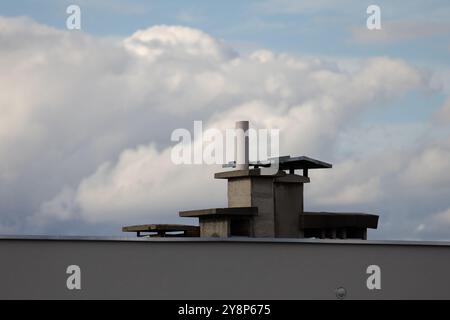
x=159, y=227
x=234, y=211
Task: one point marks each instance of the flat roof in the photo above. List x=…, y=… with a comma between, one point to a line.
x=224, y=240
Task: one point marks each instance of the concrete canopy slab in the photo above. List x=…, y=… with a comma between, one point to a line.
x=232, y=212
x=302, y=162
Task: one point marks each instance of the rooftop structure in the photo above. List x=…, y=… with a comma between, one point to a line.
x=262, y=205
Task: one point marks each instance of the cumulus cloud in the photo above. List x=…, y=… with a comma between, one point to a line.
x=443, y=217
x=406, y=184
x=435, y=226
x=442, y=116
x=177, y=42
x=85, y=124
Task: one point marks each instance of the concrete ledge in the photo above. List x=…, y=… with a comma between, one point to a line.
x=215, y=212
x=159, y=227
x=257, y=173
x=237, y=174
x=164, y=230
x=310, y=220
x=246, y=173
x=234, y=240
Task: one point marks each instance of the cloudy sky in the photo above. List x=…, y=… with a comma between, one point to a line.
x=86, y=116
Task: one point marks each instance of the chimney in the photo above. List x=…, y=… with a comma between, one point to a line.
x=242, y=145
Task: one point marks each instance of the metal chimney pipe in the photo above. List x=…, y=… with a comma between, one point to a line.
x=242, y=145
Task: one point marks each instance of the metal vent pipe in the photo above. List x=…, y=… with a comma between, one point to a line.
x=242, y=145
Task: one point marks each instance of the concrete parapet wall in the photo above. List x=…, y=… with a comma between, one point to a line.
x=222, y=269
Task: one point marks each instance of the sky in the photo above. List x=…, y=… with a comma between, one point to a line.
x=86, y=115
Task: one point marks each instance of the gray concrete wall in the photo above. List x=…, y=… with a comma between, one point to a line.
x=288, y=207
x=256, y=192
x=210, y=227
x=279, y=201
x=239, y=192
x=227, y=269
x=263, y=198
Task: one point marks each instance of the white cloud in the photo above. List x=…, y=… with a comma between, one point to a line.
x=177, y=42
x=435, y=225
x=135, y=183
x=443, y=217
x=85, y=122
x=442, y=116
x=429, y=168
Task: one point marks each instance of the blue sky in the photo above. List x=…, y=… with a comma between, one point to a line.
x=364, y=100
x=307, y=27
